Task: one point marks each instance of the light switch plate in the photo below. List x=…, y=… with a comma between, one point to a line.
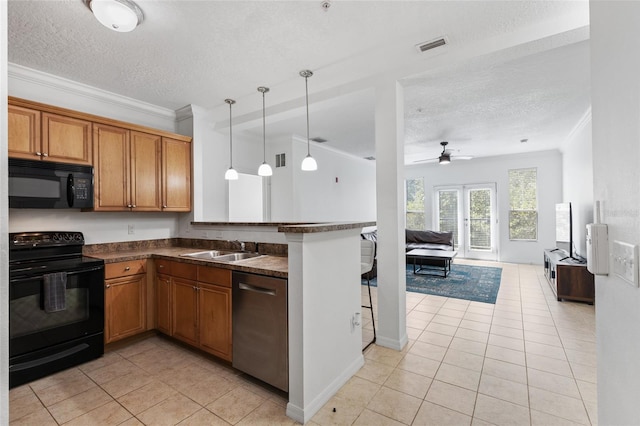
x=624, y=260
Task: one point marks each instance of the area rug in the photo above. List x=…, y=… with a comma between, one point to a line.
x=476, y=283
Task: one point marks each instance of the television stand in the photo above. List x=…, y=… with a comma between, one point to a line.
x=567, y=278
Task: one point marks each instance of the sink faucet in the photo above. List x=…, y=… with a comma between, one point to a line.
x=241, y=244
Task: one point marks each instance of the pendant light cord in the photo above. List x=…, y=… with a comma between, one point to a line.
x=264, y=137
x=306, y=89
x=230, y=139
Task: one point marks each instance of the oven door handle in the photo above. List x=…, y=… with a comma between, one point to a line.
x=41, y=276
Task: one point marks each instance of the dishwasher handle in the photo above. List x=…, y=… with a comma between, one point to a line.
x=256, y=289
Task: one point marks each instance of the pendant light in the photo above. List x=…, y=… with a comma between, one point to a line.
x=309, y=163
x=231, y=173
x=265, y=168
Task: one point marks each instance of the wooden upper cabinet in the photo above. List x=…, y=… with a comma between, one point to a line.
x=145, y=171
x=127, y=169
x=24, y=133
x=66, y=139
x=112, y=189
x=176, y=175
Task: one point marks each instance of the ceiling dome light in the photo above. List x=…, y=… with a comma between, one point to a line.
x=117, y=15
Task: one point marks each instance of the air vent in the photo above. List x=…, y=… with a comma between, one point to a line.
x=280, y=160
x=370, y=158
x=319, y=140
x=428, y=45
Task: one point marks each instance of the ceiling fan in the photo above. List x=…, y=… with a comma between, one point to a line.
x=445, y=156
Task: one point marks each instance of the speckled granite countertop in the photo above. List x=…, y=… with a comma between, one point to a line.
x=275, y=266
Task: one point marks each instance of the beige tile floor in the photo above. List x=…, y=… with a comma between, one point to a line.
x=528, y=359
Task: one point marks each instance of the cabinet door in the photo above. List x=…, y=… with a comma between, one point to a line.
x=125, y=307
x=214, y=305
x=145, y=171
x=24, y=133
x=66, y=139
x=111, y=168
x=184, y=310
x=176, y=175
x=163, y=304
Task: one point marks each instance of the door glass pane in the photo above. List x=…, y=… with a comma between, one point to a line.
x=480, y=219
x=448, y=213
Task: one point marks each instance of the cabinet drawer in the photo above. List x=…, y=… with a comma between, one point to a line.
x=124, y=269
x=184, y=270
x=212, y=275
x=163, y=266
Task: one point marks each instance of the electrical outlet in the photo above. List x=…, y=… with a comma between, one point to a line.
x=624, y=260
x=131, y=229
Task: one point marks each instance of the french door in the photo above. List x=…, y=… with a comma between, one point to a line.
x=469, y=211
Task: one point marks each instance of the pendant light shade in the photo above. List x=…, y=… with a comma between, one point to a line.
x=309, y=163
x=117, y=15
x=231, y=173
x=265, y=168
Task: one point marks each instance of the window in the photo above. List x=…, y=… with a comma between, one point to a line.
x=415, y=204
x=523, y=204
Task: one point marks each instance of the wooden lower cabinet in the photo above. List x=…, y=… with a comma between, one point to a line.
x=185, y=310
x=163, y=304
x=214, y=306
x=125, y=306
x=194, y=305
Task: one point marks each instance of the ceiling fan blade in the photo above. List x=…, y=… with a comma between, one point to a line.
x=428, y=160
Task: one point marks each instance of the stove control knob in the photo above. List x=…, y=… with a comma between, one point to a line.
x=68, y=237
x=57, y=237
x=77, y=237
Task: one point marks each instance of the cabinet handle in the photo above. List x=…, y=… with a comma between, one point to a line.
x=129, y=205
x=128, y=268
x=39, y=154
x=44, y=154
x=160, y=266
x=108, y=286
x=164, y=206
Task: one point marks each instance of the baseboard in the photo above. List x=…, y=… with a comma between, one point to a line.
x=392, y=343
x=304, y=414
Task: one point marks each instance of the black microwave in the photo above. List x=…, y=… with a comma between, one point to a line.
x=48, y=185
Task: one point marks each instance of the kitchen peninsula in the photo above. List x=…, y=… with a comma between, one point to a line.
x=324, y=336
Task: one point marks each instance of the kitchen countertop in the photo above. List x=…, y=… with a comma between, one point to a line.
x=275, y=266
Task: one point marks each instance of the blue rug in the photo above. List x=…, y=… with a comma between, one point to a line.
x=475, y=283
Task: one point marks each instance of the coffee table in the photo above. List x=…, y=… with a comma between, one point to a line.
x=446, y=256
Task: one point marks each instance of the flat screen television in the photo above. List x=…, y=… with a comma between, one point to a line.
x=564, y=230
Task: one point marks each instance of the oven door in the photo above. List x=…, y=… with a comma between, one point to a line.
x=32, y=328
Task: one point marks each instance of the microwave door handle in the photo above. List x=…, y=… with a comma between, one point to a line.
x=71, y=190
x=41, y=276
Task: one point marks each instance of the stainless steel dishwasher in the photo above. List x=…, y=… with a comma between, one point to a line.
x=260, y=328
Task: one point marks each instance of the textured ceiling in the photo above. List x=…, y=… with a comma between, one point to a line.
x=201, y=52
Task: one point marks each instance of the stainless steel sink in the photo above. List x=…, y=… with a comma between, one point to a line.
x=205, y=255
x=220, y=256
x=235, y=256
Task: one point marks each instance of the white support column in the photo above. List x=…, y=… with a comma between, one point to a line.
x=390, y=219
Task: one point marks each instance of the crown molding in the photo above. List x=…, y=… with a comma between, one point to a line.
x=39, y=78
x=584, y=121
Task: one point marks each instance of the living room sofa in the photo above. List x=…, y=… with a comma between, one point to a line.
x=427, y=240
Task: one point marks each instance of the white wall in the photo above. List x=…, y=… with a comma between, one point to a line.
x=615, y=97
x=495, y=169
x=577, y=180
x=317, y=197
